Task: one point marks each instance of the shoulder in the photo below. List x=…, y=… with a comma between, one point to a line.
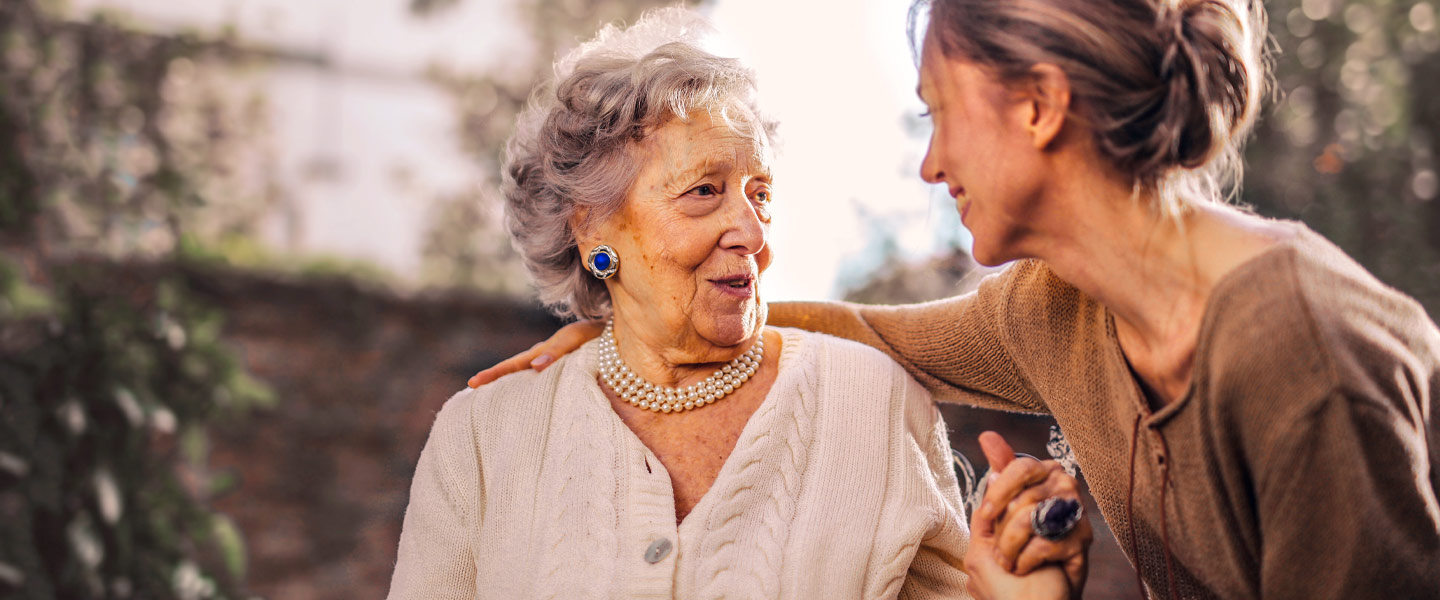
x=510, y=406
x=855, y=378
x=1371, y=333
x=1353, y=310
x=1045, y=317
x=1305, y=321
x=1033, y=284
x=453, y=419
x=838, y=359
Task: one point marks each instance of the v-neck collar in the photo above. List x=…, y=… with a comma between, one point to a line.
x=1204, y=337
x=786, y=376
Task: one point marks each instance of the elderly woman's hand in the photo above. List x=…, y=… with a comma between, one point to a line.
x=539, y=356
x=1017, y=486
x=988, y=580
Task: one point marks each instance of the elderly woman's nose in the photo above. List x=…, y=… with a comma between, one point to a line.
x=746, y=231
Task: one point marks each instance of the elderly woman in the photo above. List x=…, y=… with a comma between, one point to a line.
x=688, y=451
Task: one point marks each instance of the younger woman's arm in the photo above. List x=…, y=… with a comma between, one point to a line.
x=955, y=347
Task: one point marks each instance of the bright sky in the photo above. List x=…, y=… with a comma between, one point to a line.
x=839, y=76
x=836, y=73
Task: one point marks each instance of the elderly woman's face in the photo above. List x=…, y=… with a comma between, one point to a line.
x=692, y=235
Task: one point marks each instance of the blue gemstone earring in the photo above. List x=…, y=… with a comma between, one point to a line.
x=603, y=262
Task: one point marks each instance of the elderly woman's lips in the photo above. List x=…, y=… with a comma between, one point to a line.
x=741, y=287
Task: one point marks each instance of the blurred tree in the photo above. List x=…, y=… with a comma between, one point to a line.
x=429, y=7
x=126, y=140
x=110, y=146
x=467, y=244
x=897, y=281
x=105, y=400
x=1350, y=146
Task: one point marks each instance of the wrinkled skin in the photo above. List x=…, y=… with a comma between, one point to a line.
x=692, y=238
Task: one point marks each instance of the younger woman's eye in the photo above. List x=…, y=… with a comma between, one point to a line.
x=762, y=196
x=925, y=115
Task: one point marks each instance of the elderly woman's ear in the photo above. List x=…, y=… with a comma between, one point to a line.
x=599, y=258
x=583, y=228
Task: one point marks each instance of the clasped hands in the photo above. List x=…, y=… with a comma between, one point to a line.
x=1006, y=559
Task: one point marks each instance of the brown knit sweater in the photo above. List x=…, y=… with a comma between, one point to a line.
x=1302, y=463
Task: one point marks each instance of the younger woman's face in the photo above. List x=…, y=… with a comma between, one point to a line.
x=983, y=153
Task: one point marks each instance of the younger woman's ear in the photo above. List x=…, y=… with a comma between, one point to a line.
x=1050, y=104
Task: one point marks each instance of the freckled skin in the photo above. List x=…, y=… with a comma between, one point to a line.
x=693, y=445
x=694, y=215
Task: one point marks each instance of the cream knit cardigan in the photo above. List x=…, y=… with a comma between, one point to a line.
x=840, y=486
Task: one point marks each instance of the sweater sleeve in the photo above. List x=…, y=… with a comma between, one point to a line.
x=954, y=347
x=1346, y=508
x=935, y=571
x=435, y=557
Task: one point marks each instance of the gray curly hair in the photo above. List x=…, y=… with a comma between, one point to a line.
x=574, y=144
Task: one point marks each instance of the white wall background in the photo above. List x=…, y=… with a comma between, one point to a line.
x=837, y=74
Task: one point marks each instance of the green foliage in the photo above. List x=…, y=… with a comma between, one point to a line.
x=99, y=398
x=106, y=390
x=118, y=140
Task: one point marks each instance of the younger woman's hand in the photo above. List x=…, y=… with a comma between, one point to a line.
x=539, y=356
x=988, y=580
x=1011, y=498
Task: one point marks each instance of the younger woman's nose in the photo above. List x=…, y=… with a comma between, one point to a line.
x=930, y=169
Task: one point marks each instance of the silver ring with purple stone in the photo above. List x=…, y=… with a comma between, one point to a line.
x=1054, y=518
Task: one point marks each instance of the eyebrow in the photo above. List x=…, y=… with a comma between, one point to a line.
x=704, y=168
x=712, y=165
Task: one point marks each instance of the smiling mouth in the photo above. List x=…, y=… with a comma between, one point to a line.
x=962, y=204
x=741, y=285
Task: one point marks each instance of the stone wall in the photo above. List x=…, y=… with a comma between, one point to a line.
x=323, y=477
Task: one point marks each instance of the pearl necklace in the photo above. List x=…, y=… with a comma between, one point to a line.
x=656, y=398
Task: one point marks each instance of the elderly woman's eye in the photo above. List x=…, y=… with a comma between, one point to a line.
x=705, y=190
x=762, y=196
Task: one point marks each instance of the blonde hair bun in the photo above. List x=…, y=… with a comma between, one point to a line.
x=1169, y=88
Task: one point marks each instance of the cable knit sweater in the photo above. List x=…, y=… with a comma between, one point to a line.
x=840, y=486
